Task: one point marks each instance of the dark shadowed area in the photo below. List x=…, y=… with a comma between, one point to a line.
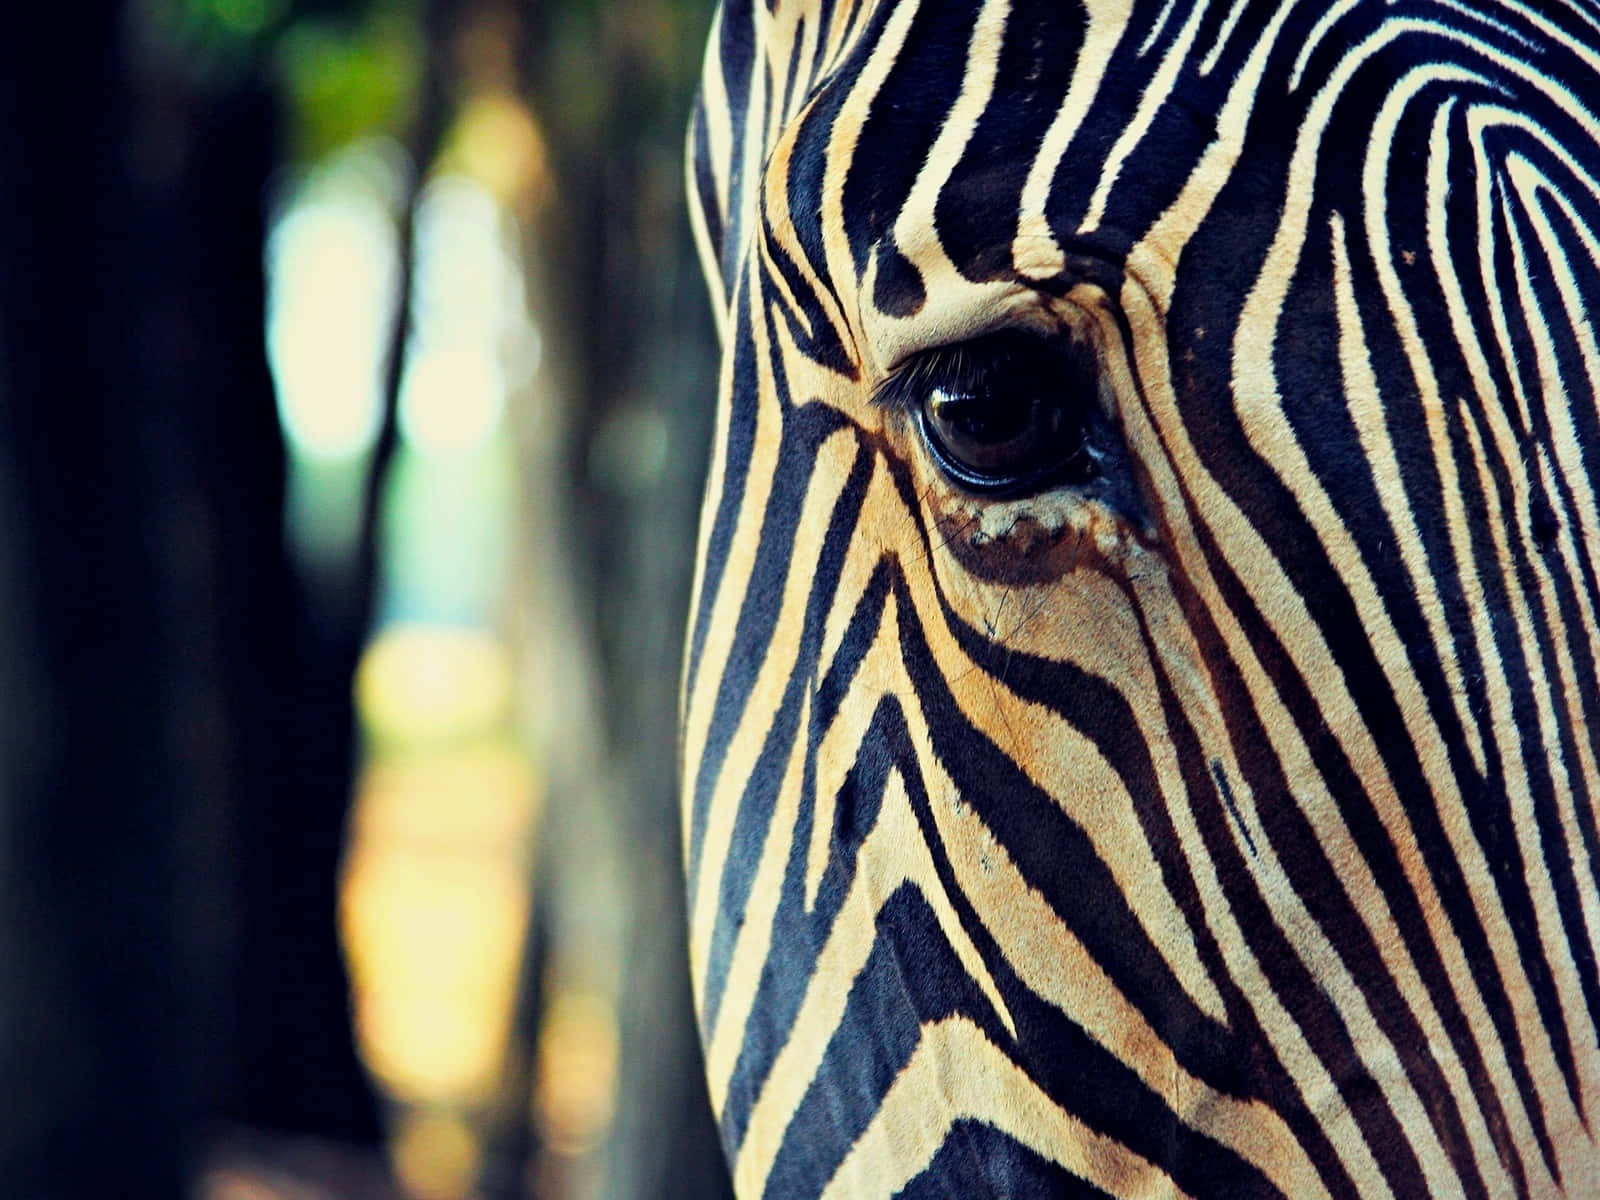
x=355, y=384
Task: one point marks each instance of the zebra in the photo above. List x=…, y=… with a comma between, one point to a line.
x=1141, y=705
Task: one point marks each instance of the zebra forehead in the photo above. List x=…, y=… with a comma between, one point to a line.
x=1005, y=135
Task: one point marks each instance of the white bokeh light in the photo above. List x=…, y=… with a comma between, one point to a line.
x=467, y=312
x=332, y=269
x=451, y=399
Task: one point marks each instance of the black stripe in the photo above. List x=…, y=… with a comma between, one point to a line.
x=1226, y=792
x=804, y=429
x=737, y=450
x=1265, y=1074
x=736, y=56
x=705, y=185
x=756, y=804
x=905, y=118
x=980, y=1160
x=1042, y=39
x=912, y=977
x=1223, y=448
x=798, y=936
x=1073, y=1068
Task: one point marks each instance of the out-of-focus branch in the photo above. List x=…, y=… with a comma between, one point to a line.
x=422, y=142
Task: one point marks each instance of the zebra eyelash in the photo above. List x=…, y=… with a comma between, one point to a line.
x=959, y=367
x=965, y=367
x=952, y=367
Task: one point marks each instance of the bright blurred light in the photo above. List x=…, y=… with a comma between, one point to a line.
x=463, y=274
x=433, y=934
x=333, y=272
x=447, y=533
x=498, y=141
x=435, y=895
x=426, y=684
x=469, y=320
x=452, y=398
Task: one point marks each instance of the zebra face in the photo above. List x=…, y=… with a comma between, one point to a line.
x=1142, y=713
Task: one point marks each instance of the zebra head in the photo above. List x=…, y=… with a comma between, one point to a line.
x=1142, y=707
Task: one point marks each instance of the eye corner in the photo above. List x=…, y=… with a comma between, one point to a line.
x=895, y=391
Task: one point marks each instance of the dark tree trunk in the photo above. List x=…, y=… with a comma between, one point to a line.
x=91, y=990
x=264, y=711
x=176, y=734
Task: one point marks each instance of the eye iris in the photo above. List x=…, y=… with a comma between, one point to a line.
x=986, y=431
x=1014, y=415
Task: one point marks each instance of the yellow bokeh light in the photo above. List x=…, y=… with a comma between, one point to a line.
x=433, y=944
x=434, y=1154
x=424, y=684
x=477, y=800
x=498, y=142
x=435, y=900
x=575, y=1094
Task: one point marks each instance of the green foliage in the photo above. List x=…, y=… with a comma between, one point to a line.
x=348, y=68
x=348, y=80
x=212, y=32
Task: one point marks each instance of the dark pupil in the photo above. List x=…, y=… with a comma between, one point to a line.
x=983, y=419
x=1012, y=416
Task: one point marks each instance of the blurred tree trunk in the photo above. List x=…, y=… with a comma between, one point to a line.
x=633, y=352
x=175, y=736
x=267, y=708
x=90, y=1013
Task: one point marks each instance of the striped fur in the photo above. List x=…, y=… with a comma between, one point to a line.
x=1227, y=828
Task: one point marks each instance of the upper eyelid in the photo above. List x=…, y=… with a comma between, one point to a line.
x=901, y=389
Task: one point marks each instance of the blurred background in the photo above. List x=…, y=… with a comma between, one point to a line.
x=355, y=387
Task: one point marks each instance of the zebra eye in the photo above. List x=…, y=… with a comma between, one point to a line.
x=1007, y=413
